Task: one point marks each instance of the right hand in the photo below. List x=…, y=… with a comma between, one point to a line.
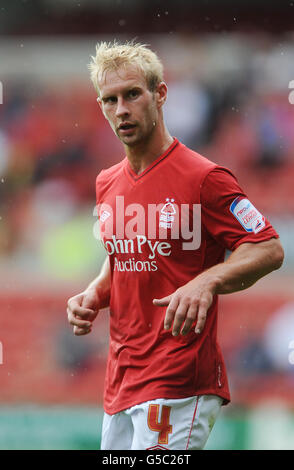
x=82, y=309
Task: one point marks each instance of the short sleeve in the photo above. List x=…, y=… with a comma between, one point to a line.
x=99, y=186
x=227, y=213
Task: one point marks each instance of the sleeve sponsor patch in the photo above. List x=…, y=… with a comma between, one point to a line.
x=248, y=216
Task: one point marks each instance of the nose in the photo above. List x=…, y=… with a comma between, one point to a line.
x=121, y=109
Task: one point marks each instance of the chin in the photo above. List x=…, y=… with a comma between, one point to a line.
x=131, y=141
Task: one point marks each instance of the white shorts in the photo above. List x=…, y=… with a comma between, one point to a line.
x=172, y=424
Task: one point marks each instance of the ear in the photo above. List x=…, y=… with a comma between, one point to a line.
x=99, y=101
x=161, y=93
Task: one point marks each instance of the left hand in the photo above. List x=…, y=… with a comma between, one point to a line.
x=187, y=303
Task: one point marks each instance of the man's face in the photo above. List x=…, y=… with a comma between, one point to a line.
x=129, y=106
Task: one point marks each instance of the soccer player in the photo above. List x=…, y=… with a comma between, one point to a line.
x=167, y=215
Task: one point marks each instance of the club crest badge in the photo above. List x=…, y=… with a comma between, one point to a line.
x=167, y=214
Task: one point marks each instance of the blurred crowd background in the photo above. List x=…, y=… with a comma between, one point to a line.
x=229, y=68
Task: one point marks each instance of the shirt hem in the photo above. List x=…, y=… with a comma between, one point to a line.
x=126, y=405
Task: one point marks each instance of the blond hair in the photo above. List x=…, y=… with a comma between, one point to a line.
x=112, y=55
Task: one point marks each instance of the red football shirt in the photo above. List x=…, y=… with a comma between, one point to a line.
x=162, y=228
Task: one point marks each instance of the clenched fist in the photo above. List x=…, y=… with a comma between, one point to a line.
x=82, y=309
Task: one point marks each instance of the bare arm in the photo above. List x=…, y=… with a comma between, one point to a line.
x=83, y=308
x=248, y=263
x=101, y=284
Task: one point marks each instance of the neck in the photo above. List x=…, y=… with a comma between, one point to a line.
x=141, y=155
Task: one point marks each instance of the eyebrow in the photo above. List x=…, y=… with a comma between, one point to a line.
x=106, y=97
x=125, y=90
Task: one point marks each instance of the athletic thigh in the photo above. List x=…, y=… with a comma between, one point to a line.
x=175, y=424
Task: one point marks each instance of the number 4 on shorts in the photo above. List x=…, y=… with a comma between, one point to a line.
x=162, y=427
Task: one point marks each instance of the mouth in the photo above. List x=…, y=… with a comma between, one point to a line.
x=126, y=127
